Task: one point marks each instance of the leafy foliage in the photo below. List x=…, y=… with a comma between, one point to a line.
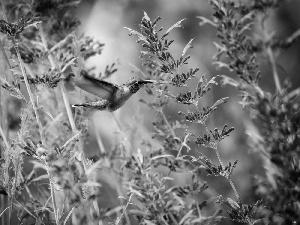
x=45, y=53
x=161, y=65
x=241, y=212
x=13, y=30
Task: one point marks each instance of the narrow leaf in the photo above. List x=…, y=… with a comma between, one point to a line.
x=188, y=46
x=140, y=36
x=146, y=17
x=219, y=102
x=205, y=21
x=178, y=24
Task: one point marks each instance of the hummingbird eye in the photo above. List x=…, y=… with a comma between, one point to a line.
x=135, y=86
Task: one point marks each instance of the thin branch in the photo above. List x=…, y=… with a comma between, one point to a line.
x=4, y=55
x=41, y=31
x=199, y=210
x=53, y=199
x=96, y=207
x=121, y=130
x=293, y=37
x=3, y=211
x=119, y=219
x=68, y=109
x=183, y=144
x=99, y=139
x=119, y=191
x=72, y=122
x=28, y=211
x=117, y=122
x=274, y=69
x=234, y=189
x=14, y=188
x=172, y=218
x=69, y=214
x=167, y=122
x=219, y=158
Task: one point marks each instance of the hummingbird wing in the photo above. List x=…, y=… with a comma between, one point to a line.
x=95, y=86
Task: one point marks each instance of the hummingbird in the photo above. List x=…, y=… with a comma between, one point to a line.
x=112, y=96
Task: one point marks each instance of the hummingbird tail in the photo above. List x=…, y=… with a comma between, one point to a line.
x=81, y=105
x=77, y=105
x=99, y=104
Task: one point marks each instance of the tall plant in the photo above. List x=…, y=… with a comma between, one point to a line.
x=276, y=114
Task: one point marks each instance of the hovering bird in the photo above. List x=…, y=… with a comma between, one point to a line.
x=112, y=96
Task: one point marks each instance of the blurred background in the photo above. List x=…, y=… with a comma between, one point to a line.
x=105, y=20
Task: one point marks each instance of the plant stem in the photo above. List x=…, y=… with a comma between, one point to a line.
x=3, y=211
x=96, y=207
x=117, y=122
x=119, y=219
x=3, y=54
x=69, y=214
x=2, y=200
x=182, y=144
x=121, y=131
x=274, y=69
x=199, y=210
x=99, y=139
x=172, y=218
x=14, y=188
x=68, y=109
x=219, y=158
x=167, y=122
x=234, y=189
x=46, y=46
x=165, y=222
x=31, y=97
x=53, y=198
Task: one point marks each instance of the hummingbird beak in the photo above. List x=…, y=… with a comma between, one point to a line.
x=154, y=82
